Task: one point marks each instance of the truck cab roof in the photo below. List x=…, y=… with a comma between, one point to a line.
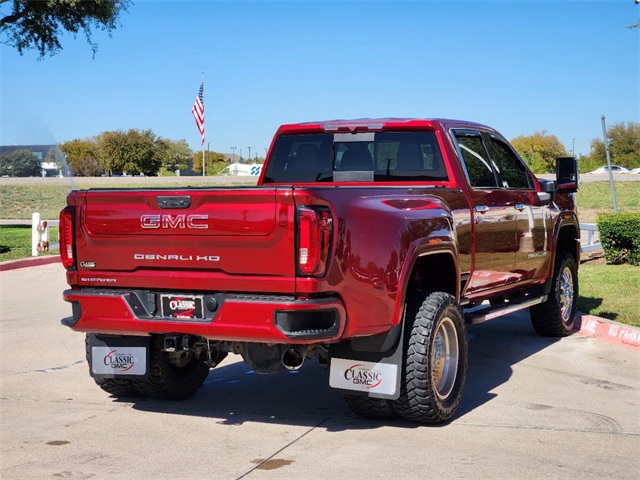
x=374, y=125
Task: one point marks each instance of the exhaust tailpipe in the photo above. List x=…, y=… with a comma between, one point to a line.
x=293, y=358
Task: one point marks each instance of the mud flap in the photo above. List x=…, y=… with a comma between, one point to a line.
x=376, y=374
x=118, y=357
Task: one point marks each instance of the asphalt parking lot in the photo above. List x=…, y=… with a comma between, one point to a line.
x=532, y=408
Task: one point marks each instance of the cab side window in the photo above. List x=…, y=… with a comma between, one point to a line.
x=511, y=171
x=476, y=160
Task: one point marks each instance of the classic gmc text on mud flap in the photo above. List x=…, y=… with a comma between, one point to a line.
x=366, y=244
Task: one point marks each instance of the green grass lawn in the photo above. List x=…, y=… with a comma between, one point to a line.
x=15, y=241
x=610, y=291
x=595, y=197
x=20, y=200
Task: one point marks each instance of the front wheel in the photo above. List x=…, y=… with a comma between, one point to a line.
x=434, y=366
x=558, y=315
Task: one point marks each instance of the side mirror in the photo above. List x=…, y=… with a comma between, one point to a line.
x=566, y=174
x=547, y=191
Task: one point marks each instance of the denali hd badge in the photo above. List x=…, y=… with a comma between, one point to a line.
x=180, y=258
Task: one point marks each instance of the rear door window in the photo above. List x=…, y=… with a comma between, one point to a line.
x=475, y=158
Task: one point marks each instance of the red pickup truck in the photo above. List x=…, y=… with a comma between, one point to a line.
x=366, y=244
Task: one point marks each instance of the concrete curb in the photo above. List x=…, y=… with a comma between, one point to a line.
x=28, y=262
x=609, y=331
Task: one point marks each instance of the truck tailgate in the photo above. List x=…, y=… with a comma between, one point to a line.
x=203, y=239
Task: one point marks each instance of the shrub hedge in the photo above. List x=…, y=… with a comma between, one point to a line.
x=620, y=237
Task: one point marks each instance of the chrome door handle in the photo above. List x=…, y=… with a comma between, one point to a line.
x=482, y=209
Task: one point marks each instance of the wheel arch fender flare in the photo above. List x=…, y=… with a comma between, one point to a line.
x=566, y=229
x=419, y=252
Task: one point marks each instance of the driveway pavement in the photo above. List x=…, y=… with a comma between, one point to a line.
x=533, y=408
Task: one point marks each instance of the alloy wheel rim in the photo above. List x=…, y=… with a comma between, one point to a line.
x=566, y=294
x=444, y=358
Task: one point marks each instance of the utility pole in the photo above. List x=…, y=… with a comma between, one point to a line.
x=606, y=149
x=249, y=154
x=233, y=149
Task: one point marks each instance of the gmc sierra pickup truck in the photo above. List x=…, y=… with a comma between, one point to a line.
x=367, y=245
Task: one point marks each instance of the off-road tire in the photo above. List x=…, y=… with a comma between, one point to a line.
x=367, y=407
x=116, y=387
x=167, y=381
x=557, y=316
x=431, y=383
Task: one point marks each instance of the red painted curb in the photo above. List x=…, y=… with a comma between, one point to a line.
x=28, y=262
x=609, y=331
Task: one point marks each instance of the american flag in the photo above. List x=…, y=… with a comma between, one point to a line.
x=198, y=111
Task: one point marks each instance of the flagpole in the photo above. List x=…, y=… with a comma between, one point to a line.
x=203, y=169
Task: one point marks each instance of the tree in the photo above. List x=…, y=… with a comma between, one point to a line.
x=174, y=155
x=547, y=147
x=215, y=162
x=38, y=24
x=20, y=163
x=132, y=152
x=624, y=146
x=82, y=157
x=535, y=162
x=587, y=164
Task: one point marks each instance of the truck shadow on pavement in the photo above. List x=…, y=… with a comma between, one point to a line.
x=233, y=394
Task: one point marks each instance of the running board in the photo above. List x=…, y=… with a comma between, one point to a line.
x=488, y=313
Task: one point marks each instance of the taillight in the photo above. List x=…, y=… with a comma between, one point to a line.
x=314, y=240
x=65, y=233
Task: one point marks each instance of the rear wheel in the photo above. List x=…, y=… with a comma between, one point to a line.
x=116, y=387
x=435, y=361
x=172, y=376
x=557, y=316
x=370, y=407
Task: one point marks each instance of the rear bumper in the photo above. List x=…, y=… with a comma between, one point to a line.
x=246, y=318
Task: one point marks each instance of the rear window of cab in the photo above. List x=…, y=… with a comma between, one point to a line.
x=360, y=157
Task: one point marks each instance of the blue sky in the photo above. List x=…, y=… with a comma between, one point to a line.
x=518, y=66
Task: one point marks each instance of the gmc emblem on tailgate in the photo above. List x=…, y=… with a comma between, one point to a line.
x=166, y=220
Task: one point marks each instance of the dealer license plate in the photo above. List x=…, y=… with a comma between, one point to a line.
x=182, y=306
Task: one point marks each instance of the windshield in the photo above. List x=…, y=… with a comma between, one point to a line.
x=380, y=157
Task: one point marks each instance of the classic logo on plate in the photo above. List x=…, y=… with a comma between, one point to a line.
x=375, y=378
x=182, y=306
x=358, y=374
x=119, y=362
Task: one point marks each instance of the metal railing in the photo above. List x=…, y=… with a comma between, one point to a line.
x=592, y=240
